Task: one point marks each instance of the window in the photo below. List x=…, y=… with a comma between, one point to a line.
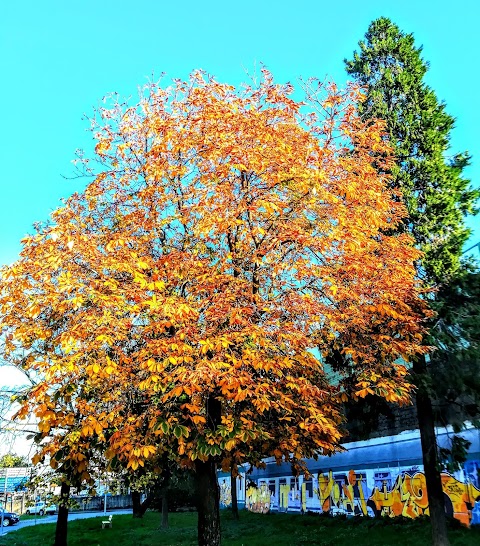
x=382, y=480
x=271, y=486
x=309, y=487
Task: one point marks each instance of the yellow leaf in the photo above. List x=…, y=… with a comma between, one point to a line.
x=230, y=444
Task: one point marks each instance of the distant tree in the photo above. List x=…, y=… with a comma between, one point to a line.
x=11, y=460
x=437, y=196
x=75, y=461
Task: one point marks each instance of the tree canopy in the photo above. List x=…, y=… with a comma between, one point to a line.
x=229, y=242
x=436, y=194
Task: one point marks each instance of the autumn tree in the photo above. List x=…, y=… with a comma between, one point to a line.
x=60, y=411
x=438, y=198
x=226, y=236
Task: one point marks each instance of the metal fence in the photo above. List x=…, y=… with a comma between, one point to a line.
x=97, y=503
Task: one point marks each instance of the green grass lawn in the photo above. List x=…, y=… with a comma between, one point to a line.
x=251, y=530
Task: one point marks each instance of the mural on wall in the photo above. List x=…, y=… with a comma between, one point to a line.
x=347, y=493
x=472, y=474
x=407, y=497
x=225, y=494
x=338, y=497
x=258, y=499
x=464, y=500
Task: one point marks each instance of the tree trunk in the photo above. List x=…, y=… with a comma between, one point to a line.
x=208, y=498
x=62, y=518
x=426, y=424
x=206, y=485
x=136, y=504
x=233, y=487
x=139, y=508
x=165, y=510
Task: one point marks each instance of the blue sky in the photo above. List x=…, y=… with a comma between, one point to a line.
x=59, y=58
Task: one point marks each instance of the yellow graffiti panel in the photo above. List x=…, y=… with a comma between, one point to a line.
x=344, y=497
x=284, y=492
x=324, y=491
x=258, y=499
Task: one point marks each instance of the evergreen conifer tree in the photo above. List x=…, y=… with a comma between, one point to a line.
x=438, y=199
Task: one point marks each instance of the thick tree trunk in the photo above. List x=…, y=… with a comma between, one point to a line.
x=206, y=485
x=165, y=510
x=233, y=487
x=426, y=424
x=208, y=498
x=166, y=475
x=136, y=504
x=62, y=518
